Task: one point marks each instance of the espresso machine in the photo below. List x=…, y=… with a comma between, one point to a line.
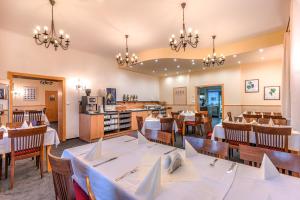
x=89, y=104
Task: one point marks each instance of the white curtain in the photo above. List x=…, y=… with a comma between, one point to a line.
x=286, y=72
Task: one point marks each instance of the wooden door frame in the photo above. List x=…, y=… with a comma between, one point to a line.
x=11, y=75
x=211, y=85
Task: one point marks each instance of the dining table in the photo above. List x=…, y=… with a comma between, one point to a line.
x=195, y=179
x=50, y=138
x=293, y=139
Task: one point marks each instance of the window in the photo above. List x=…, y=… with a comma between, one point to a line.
x=30, y=94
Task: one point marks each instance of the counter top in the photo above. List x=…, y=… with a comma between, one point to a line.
x=128, y=110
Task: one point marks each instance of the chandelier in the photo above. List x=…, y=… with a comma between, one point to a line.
x=129, y=60
x=185, y=37
x=214, y=59
x=49, y=37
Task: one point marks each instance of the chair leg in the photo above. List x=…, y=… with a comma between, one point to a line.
x=37, y=161
x=41, y=158
x=7, y=160
x=12, y=173
x=0, y=167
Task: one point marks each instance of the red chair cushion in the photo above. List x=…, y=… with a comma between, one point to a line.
x=191, y=123
x=79, y=192
x=26, y=151
x=209, y=135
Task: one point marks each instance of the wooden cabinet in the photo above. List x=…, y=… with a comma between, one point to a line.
x=91, y=127
x=134, y=125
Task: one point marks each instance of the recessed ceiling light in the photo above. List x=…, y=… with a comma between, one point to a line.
x=262, y=58
x=193, y=63
x=204, y=68
x=261, y=50
x=141, y=63
x=193, y=60
x=178, y=66
x=153, y=71
x=234, y=56
x=130, y=66
x=239, y=62
x=165, y=69
x=177, y=73
x=156, y=60
x=166, y=74
x=189, y=70
x=175, y=59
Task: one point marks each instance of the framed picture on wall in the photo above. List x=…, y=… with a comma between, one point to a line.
x=180, y=96
x=111, y=96
x=2, y=93
x=252, y=86
x=272, y=93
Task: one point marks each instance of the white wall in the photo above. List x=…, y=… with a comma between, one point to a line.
x=295, y=64
x=20, y=54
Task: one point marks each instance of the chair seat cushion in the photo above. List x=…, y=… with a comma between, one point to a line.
x=209, y=135
x=79, y=192
x=27, y=151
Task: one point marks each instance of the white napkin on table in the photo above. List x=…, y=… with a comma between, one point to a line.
x=141, y=138
x=25, y=125
x=267, y=169
x=226, y=119
x=176, y=162
x=244, y=121
x=182, y=113
x=95, y=152
x=271, y=122
x=189, y=150
x=30, y=125
x=3, y=128
x=151, y=185
x=159, y=116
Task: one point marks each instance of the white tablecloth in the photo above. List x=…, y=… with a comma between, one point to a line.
x=188, y=117
x=50, y=138
x=195, y=180
x=44, y=118
x=154, y=124
x=294, y=139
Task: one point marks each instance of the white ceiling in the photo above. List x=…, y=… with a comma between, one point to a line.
x=99, y=26
x=170, y=67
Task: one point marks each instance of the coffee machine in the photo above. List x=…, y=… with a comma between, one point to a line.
x=89, y=104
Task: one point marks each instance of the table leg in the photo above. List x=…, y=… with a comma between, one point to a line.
x=48, y=149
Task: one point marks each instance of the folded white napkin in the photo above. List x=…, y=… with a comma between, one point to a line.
x=182, y=113
x=226, y=119
x=189, y=150
x=141, y=138
x=3, y=128
x=25, y=125
x=30, y=125
x=176, y=162
x=159, y=116
x=151, y=185
x=95, y=152
x=272, y=113
x=271, y=122
x=267, y=169
x=244, y=121
x=150, y=116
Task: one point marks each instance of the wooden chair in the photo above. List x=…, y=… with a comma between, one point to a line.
x=62, y=178
x=26, y=143
x=277, y=114
x=287, y=163
x=179, y=122
x=249, y=120
x=273, y=117
x=35, y=115
x=238, y=119
x=236, y=134
x=209, y=147
x=140, y=123
x=266, y=113
x=275, y=138
x=252, y=116
x=280, y=122
x=159, y=136
x=207, y=127
x=18, y=116
x=14, y=125
x=198, y=121
x=175, y=115
x=229, y=116
x=167, y=127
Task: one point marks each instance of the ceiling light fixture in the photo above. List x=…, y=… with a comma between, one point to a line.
x=234, y=56
x=175, y=59
x=49, y=37
x=156, y=60
x=239, y=62
x=189, y=70
x=141, y=63
x=213, y=59
x=185, y=37
x=261, y=50
x=129, y=60
x=166, y=69
x=178, y=66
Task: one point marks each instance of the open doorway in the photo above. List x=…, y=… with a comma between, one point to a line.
x=210, y=98
x=30, y=92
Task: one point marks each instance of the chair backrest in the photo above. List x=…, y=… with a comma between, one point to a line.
x=249, y=120
x=203, y=113
x=159, y=136
x=287, y=163
x=18, y=116
x=266, y=113
x=167, y=124
x=62, y=177
x=175, y=115
x=35, y=115
x=209, y=147
x=25, y=139
x=207, y=124
x=180, y=121
x=252, y=116
x=229, y=116
x=281, y=122
x=273, y=116
x=14, y=124
x=237, y=133
x=275, y=138
x=277, y=114
x=140, y=123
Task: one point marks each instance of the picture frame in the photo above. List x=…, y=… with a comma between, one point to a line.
x=180, y=96
x=272, y=93
x=2, y=93
x=111, y=96
x=252, y=86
